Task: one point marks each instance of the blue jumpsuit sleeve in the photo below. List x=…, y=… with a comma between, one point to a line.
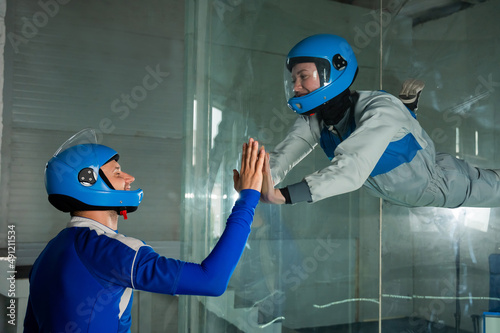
x=210, y=278
x=30, y=323
x=144, y=269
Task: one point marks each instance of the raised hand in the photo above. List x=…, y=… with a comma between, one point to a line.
x=252, y=163
x=269, y=194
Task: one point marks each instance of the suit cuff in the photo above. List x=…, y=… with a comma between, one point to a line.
x=298, y=192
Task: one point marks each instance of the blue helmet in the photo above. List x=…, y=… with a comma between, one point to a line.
x=75, y=182
x=336, y=65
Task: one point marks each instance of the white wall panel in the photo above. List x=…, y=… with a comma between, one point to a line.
x=116, y=66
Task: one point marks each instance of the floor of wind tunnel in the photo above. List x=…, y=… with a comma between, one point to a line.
x=401, y=325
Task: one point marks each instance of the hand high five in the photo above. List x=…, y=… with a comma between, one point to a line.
x=252, y=162
x=269, y=194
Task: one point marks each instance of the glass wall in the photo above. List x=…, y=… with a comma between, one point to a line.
x=350, y=263
x=437, y=263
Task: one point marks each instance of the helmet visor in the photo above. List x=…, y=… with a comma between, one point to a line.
x=78, y=153
x=302, y=76
x=85, y=136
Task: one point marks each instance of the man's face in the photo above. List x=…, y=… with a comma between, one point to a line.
x=305, y=78
x=119, y=179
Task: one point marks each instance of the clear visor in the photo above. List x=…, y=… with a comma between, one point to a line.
x=82, y=158
x=85, y=136
x=303, y=79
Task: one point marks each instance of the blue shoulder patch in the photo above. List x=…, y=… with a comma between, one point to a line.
x=397, y=153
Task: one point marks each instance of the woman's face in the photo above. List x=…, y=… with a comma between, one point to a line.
x=305, y=78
